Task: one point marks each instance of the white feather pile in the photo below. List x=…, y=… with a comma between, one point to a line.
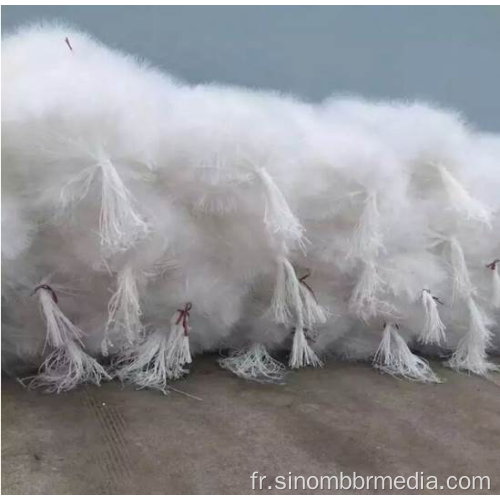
x=187, y=219
x=254, y=363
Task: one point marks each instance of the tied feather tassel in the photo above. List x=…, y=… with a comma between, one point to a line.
x=124, y=309
x=68, y=364
x=495, y=283
x=254, y=363
x=178, y=352
x=367, y=238
x=367, y=243
x=288, y=307
x=461, y=200
x=278, y=216
x=286, y=297
x=66, y=367
x=119, y=223
x=302, y=354
x=434, y=329
x=395, y=358
x=462, y=285
x=145, y=364
x=471, y=352
x=158, y=357
x=293, y=297
x=364, y=301
x=313, y=312
x=60, y=330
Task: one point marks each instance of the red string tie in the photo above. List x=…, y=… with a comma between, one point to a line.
x=184, y=317
x=493, y=265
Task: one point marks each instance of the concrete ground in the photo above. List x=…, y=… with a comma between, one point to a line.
x=344, y=418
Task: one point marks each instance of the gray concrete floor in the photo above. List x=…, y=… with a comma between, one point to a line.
x=344, y=417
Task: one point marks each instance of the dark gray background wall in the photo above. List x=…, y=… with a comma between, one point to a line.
x=448, y=55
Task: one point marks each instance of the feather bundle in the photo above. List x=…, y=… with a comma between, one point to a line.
x=182, y=217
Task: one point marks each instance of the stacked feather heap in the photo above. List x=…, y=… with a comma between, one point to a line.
x=146, y=221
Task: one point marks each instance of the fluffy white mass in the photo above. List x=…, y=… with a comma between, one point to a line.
x=146, y=221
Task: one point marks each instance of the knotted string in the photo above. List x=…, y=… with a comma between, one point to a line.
x=48, y=289
x=394, y=324
x=493, y=265
x=184, y=317
x=302, y=281
x=436, y=299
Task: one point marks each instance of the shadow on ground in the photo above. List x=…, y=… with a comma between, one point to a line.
x=344, y=418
